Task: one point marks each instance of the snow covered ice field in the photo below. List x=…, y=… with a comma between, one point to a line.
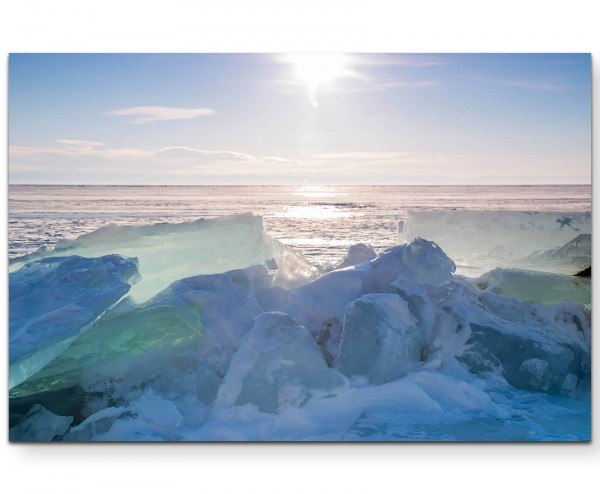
x=334, y=314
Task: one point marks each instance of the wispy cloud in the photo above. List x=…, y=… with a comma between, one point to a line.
x=368, y=156
x=78, y=143
x=70, y=147
x=378, y=59
x=365, y=84
x=360, y=161
x=385, y=85
x=66, y=147
x=191, y=152
x=94, y=149
x=416, y=84
x=352, y=162
x=540, y=86
x=188, y=154
x=407, y=60
x=149, y=114
x=83, y=163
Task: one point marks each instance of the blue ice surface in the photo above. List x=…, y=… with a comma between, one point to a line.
x=52, y=289
x=532, y=417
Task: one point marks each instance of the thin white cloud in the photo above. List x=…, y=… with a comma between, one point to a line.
x=361, y=155
x=185, y=164
x=190, y=152
x=362, y=84
x=176, y=153
x=183, y=151
x=149, y=114
x=24, y=151
x=416, y=60
x=67, y=148
x=385, y=85
x=415, y=84
x=351, y=162
x=359, y=160
x=407, y=60
x=73, y=142
x=540, y=86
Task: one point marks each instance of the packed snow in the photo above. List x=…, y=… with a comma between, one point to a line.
x=234, y=337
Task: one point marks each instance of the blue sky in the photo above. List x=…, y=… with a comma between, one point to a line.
x=312, y=118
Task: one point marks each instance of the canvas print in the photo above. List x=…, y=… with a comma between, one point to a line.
x=299, y=247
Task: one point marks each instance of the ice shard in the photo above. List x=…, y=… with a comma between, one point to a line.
x=180, y=341
x=576, y=253
x=382, y=340
x=356, y=254
x=479, y=241
x=534, y=347
x=278, y=365
x=39, y=425
x=52, y=300
x=168, y=252
x=320, y=305
x=536, y=286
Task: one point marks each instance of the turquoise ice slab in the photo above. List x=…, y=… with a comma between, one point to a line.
x=53, y=299
x=536, y=286
x=179, y=341
x=168, y=252
x=113, y=348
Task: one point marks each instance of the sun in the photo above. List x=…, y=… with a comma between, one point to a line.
x=316, y=70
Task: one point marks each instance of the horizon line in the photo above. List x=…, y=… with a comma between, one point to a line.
x=303, y=185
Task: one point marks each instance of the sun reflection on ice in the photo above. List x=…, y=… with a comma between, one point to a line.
x=318, y=191
x=314, y=212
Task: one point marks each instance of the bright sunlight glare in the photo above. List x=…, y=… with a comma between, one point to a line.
x=318, y=191
x=319, y=69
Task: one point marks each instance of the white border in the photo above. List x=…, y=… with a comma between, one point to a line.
x=278, y=26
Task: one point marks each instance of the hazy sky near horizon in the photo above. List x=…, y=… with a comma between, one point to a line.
x=300, y=118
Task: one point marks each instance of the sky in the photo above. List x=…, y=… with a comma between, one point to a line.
x=316, y=118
